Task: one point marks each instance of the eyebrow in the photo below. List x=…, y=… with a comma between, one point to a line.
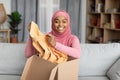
x=58, y=19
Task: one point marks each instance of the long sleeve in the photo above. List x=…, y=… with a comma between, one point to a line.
x=29, y=50
x=73, y=50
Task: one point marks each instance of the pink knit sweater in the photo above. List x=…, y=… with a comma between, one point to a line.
x=73, y=50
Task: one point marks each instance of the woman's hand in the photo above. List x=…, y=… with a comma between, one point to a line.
x=29, y=28
x=51, y=39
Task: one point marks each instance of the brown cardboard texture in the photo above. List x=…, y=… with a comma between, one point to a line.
x=37, y=68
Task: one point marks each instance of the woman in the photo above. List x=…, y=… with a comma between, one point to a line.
x=60, y=36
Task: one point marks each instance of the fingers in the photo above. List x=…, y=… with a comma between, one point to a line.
x=29, y=27
x=51, y=39
x=51, y=36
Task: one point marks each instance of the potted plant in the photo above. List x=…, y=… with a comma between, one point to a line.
x=15, y=20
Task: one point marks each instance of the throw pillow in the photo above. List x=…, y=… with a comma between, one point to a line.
x=114, y=72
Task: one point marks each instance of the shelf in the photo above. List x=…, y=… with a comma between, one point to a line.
x=112, y=29
x=5, y=35
x=103, y=21
x=102, y=13
x=4, y=30
x=95, y=41
x=96, y=27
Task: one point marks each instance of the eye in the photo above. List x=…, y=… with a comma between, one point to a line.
x=56, y=21
x=64, y=21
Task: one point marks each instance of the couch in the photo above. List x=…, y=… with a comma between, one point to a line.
x=97, y=61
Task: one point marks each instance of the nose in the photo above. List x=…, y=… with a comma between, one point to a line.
x=60, y=24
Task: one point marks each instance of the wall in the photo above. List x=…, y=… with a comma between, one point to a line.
x=83, y=20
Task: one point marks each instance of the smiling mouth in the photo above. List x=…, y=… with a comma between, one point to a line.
x=60, y=28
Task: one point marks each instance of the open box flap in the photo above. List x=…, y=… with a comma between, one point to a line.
x=68, y=70
x=53, y=73
x=65, y=71
x=26, y=69
x=37, y=69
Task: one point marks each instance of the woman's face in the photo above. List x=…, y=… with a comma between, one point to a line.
x=60, y=24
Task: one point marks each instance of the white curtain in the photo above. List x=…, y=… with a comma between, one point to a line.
x=73, y=7
x=46, y=9
x=39, y=11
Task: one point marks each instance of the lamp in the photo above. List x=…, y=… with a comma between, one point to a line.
x=3, y=15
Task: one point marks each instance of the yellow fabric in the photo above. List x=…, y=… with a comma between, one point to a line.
x=46, y=51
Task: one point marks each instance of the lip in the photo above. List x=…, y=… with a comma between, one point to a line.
x=60, y=28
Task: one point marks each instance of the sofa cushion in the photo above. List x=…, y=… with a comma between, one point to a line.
x=114, y=71
x=93, y=78
x=9, y=77
x=96, y=59
x=12, y=58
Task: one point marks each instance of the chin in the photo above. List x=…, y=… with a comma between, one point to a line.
x=60, y=32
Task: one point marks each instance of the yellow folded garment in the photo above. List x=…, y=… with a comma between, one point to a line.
x=45, y=49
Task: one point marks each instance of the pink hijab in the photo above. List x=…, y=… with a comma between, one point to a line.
x=64, y=38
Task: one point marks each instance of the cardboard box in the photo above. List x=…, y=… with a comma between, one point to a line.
x=37, y=68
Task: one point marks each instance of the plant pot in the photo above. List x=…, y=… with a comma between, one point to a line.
x=14, y=40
